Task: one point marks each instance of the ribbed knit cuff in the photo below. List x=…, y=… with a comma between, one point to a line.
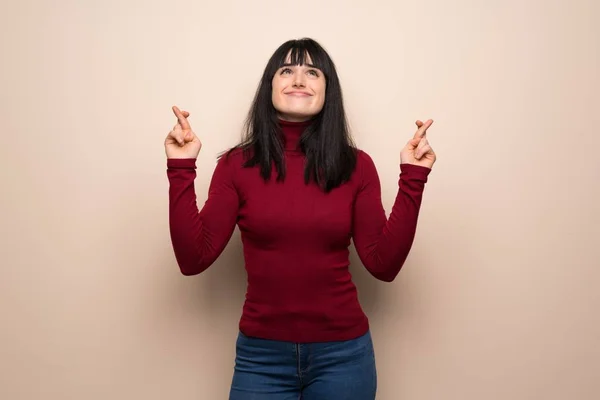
x=417, y=169
x=181, y=163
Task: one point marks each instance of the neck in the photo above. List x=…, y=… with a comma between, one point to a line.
x=291, y=132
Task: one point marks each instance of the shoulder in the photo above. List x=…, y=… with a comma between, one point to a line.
x=363, y=157
x=365, y=163
x=365, y=172
x=232, y=158
x=227, y=165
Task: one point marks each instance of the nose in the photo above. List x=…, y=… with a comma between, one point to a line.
x=298, y=80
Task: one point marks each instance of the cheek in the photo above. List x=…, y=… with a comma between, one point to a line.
x=277, y=101
x=275, y=83
x=321, y=91
x=320, y=88
x=276, y=93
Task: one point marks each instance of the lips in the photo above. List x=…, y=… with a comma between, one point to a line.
x=298, y=94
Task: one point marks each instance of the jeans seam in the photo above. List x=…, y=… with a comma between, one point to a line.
x=298, y=358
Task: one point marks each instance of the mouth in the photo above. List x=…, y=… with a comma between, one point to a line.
x=298, y=94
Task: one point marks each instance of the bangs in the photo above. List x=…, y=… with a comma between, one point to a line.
x=303, y=53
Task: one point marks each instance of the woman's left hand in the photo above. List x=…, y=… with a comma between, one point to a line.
x=418, y=151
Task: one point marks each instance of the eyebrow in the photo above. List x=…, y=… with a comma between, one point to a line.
x=308, y=65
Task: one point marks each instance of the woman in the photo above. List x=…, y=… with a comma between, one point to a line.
x=299, y=191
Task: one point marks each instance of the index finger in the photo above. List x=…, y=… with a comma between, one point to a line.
x=421, y=131
x=181, y=118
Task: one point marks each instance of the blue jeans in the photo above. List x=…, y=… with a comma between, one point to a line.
x=276, y=370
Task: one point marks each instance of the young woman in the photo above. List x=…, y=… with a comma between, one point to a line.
x=299, y=191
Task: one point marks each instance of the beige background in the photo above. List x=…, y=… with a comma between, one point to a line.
x=499, y=297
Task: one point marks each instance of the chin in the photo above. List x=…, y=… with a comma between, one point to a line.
x=295, y=113
x=295, y=116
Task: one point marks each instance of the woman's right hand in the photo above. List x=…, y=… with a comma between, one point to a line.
x=182, y=142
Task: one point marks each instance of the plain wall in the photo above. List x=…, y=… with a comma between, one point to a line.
x=499, y=297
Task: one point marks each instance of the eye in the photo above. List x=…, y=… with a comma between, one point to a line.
x=313, y=73
x=285, y=70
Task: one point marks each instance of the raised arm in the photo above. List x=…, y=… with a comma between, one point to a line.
x=198, y=236
x=383, y=244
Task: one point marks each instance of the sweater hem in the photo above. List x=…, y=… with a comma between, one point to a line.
x=251, y=329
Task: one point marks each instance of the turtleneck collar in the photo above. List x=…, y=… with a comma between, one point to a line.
x=292, y=131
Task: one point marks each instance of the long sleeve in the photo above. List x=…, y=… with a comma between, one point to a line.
x=199, y=237
x=383, y=244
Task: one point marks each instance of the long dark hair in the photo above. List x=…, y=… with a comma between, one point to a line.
x=326, y=142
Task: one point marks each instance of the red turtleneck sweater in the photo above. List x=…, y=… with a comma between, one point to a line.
x=295, y=239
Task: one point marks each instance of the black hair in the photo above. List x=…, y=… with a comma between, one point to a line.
x=326, y=142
